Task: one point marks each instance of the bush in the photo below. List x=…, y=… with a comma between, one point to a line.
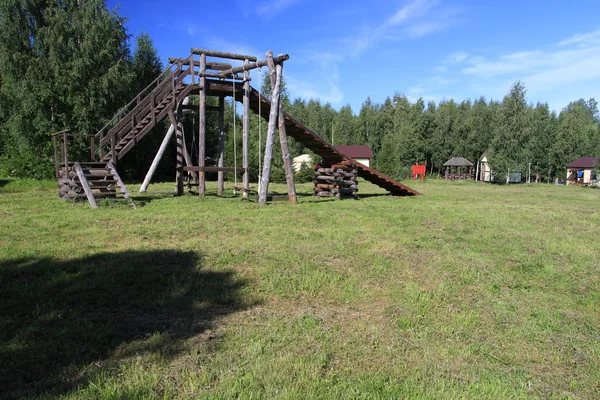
x=305, y=174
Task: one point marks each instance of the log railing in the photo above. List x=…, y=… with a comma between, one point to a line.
x=60, y=141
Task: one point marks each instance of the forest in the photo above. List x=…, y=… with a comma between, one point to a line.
x=73, y=65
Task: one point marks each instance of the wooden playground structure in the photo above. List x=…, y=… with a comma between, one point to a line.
x=169, y=96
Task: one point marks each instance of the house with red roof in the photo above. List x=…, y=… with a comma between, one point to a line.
x=361, y=154
x=582, y=171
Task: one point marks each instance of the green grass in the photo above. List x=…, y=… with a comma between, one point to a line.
x=469, y=291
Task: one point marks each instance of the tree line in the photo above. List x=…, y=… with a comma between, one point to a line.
x=72, y=64
x=513, y=132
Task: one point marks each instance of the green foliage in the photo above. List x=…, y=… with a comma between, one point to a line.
x=305, y=174
x=512, y=130
x=63, y=65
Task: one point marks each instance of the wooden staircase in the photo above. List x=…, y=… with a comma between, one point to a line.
x=91, y=180
x=115, y=141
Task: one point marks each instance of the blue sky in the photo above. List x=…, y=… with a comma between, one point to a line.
x=343, y=51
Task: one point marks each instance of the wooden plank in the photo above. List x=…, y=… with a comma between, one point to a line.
x=213, y=169
x=120, y=182
x=84, y=184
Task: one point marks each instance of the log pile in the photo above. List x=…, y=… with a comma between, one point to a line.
x=340, y=180
x=69, y=187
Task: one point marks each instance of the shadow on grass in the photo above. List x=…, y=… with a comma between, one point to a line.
x=4, y=182
x=61, y=322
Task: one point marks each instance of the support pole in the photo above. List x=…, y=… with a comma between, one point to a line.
x=285, y=151
x=221, y=145
x=176, y=121
x=160, y=153
x=264, y=183
x=245, y=132
x=202, y=127
x=188, y=159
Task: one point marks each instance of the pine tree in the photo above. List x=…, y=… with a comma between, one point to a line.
x=63, y=65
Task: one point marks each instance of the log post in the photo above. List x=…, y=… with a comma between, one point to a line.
x=245, y=132
x=285, y=151
x=65, y=151
x=264, y=183
x=202, y=127
x=221, y=183
x=160, y=152
x=176, y=122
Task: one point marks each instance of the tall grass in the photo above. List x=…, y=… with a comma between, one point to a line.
x=469, y=291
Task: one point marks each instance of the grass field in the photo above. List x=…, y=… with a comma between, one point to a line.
x=469, y=291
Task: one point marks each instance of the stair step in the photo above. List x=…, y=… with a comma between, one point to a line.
x=101, y=184
x=97, y=174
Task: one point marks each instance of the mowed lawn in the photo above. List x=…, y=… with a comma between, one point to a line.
x=469, y=291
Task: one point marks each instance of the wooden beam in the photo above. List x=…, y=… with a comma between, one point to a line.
x=221, y=54
x=160, y=152
x=175, y=121
x=85, y=185
x=263, y=63
x=202, y=127
x=216, y=66
x=264, y=183
x=246, y=132
x=214, y=169
x=220, y=175
x=285, y=150
x=117, y=177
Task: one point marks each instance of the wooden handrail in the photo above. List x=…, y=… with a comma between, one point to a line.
x=123, y=109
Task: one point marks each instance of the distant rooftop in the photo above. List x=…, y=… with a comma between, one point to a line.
x=583, y=162
x=458, y=162
x=362, y=151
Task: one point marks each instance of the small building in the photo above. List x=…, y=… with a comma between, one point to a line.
x=302, y=159
x=458, y=168
x=361, y=154
x=484, y=172
x=581, y=171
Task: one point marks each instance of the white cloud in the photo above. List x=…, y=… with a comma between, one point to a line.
x=558, y=73
x=328, y=64
x=415, y=19
x=457, y=57
x=412, y=10
x=271, y=8
x=307, y=90
x=583, y=39
x=527, y=62
x=191, y=30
